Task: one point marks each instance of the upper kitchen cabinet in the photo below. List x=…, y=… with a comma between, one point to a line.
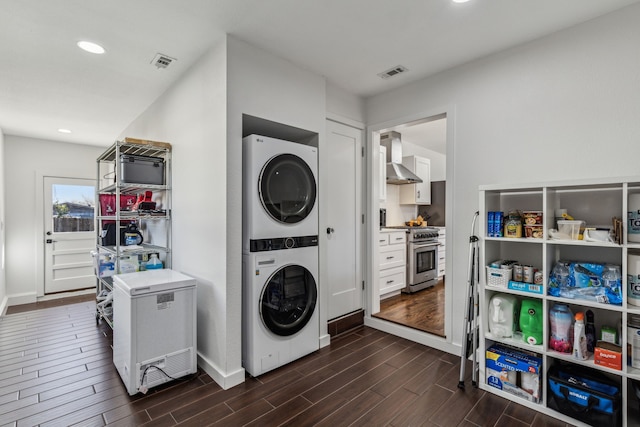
x=420, y=193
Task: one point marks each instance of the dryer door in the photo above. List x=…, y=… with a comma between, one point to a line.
x=288, y=300
x=287, y=188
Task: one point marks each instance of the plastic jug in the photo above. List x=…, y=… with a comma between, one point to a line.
x=561, y=320
x=154, y=263
x=503, y=311
x=531, y=321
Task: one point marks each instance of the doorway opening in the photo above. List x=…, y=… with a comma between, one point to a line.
x=425, y=309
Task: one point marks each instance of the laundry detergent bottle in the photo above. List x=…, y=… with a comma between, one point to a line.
x=503, y=312
x=531, y=321
x=154, y=263
x=561, y=322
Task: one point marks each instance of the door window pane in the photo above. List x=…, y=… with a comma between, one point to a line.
x=73, y=208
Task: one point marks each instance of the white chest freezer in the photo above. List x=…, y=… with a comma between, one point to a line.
x=154, y=327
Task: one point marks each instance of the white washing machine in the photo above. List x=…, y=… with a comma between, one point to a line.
x=280, y=311
x=279, y=189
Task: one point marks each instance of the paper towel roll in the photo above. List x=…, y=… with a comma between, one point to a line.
x=633, y=229
x=633, y=279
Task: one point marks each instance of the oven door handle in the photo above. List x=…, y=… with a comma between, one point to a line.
x=425, y=245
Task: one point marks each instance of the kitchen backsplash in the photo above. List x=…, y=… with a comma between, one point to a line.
x=397, y=214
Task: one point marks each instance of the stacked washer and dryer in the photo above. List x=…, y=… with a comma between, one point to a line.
x=280, y=253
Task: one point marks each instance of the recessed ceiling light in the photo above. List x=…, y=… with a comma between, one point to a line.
x=90, y=47
x=64, y=130
x=460, y=1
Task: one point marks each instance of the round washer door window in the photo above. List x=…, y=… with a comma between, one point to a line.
x=287, y=188
x=288, y=300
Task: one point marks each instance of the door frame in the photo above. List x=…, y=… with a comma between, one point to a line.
x=372, y=303
x=39, y=228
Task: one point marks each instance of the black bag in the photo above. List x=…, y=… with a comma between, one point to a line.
x=108, y=235
x=584, y=394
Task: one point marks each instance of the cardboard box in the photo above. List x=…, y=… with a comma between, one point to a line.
x=608, y=355
x=501, y=359
x=525, y=287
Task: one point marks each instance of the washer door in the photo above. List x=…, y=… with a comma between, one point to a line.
x=288, y=300
x=287, y=188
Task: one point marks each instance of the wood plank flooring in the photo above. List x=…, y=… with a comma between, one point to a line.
x=423, y=310
x=56, y=370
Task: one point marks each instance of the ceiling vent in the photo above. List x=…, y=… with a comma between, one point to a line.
x=162, y=61
x=398, y=69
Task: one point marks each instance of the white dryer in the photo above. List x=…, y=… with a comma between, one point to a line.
x=280, y=312
x=279, y=189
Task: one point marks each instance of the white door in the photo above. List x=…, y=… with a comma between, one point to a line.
x=69, y=234
x=344, y=219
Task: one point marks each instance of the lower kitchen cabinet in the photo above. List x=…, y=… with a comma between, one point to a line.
x=393, y=261
x=531, y=286
x=442, y=240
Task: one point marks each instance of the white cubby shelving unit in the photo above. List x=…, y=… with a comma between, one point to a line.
x=596, y=202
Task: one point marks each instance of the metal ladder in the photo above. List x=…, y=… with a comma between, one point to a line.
x=471, y=330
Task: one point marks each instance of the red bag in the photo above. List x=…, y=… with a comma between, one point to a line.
x=108, y=203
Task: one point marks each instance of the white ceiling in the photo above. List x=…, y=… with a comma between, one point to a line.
x=47, y=83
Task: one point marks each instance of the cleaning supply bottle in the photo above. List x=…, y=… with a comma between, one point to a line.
x=590, y=332
x=503, y=311
x=531, y=321
x=154, y=263
x=579, y=338
x=561, y=318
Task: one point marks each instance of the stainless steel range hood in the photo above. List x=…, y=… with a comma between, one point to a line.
x=397, y=173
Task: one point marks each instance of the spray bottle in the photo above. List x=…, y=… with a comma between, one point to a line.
x=579, y=338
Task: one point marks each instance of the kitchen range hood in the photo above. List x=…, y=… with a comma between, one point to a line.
x=397, y=173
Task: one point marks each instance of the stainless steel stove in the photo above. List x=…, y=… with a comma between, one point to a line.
x=422, y=258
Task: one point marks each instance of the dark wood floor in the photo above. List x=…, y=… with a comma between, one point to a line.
x=423, y=310
x=56, y=370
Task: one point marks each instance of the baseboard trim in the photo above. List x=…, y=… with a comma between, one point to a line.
x=24, y=298
x=3, y=305
x=325, y=340
x=226, y=381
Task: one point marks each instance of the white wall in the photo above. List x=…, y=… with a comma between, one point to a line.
x=3, y=286
x=191, y=116
x=563, y=107
x=266, y=86
x=201, y=116
x=26, y=161
x=344, y=106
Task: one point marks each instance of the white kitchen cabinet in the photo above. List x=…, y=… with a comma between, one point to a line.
x=596, y=202
x=420, y=193
x=393, y=261
x=442, y=240
x=382, y=178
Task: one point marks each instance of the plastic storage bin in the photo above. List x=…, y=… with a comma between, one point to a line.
x=571, y=228
x=142, y=169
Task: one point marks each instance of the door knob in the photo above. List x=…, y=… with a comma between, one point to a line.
x=330, y=230
x=48, y=233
